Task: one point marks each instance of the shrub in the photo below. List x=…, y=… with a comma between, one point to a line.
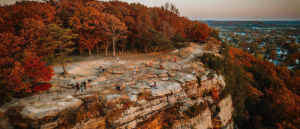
x=211, y=61
x=196, y=109
x=42, y=87
x=211, y=75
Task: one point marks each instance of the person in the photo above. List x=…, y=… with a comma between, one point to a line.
x=84, y=85
x=118, y=59
x=77, y=86
x=194, y=72
x=118, y=88
x=120, y=52
x=89, y=80
x=151, y=84
x=101, y=69
x=150, y=64
x=81, y=86
x=161, y=67
x=137, y=69
x=175, y=59
x=134, y=71
x=154, y=84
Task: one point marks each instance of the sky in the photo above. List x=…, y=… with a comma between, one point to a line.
x=227, y=9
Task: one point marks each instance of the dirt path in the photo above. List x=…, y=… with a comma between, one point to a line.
x=83, y=64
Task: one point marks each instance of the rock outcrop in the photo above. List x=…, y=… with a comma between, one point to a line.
x=121, y=99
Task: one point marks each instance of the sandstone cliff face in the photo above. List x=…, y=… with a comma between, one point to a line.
x=178, y=101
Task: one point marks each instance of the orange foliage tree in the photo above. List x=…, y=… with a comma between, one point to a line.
x=114, y=29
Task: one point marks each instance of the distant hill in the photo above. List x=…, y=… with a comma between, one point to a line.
x=288, y=23
x=251, y=23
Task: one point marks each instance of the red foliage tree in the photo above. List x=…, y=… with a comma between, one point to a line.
x=36, y=69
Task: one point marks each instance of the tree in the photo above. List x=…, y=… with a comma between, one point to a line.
x=179, y=42
x=199, y=31
x=215, y=34
x=114, y=29
x=160, y=42
x=273, y=55
x=12, y=74
x=62, y=39
x=35, y=69
x=87, y=23
x=212, y=43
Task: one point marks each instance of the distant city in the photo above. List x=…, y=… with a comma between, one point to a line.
x=261, y=38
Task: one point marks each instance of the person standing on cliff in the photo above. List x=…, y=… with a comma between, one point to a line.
x=84, y=85
x=81, y=86
x=77, y=86
x=175, y=60
x=134, y=72
x=137, y=69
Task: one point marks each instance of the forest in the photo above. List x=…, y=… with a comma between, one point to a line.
x=32, y=34
x=264, y=95
x=35, y=34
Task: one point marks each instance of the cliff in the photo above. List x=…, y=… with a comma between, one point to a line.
x=179, y=100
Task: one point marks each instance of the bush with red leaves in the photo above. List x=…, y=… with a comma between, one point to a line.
x=42, y=87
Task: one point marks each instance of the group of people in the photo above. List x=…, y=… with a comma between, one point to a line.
x=102, y=68
x=82, y=86
x=153, y=84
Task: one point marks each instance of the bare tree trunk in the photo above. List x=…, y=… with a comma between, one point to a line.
x=80, y=51
x=106, y=50
x=122, y=46
x=97, y=47
x=179, y=52
x=132, y=43
x=90, y=53
x=114, y=49
x=65, y=71
x=160, y=54
x=62, y=59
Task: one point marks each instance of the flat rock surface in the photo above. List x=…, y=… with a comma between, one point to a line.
x=39, y=110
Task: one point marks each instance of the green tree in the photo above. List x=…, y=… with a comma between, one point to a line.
x=160, y=42
x=62, y=39
x=215, y=34
x=179, y=42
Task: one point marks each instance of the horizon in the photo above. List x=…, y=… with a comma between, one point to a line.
x=227, y=10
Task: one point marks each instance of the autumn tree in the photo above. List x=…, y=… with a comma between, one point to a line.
x=12, y=74
x=273, y=55
x=36, y=70
x=179, y=42
x=199, y=31
x=87, y=23
x=160, y=42
x=62, y=39
x=114, y=29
